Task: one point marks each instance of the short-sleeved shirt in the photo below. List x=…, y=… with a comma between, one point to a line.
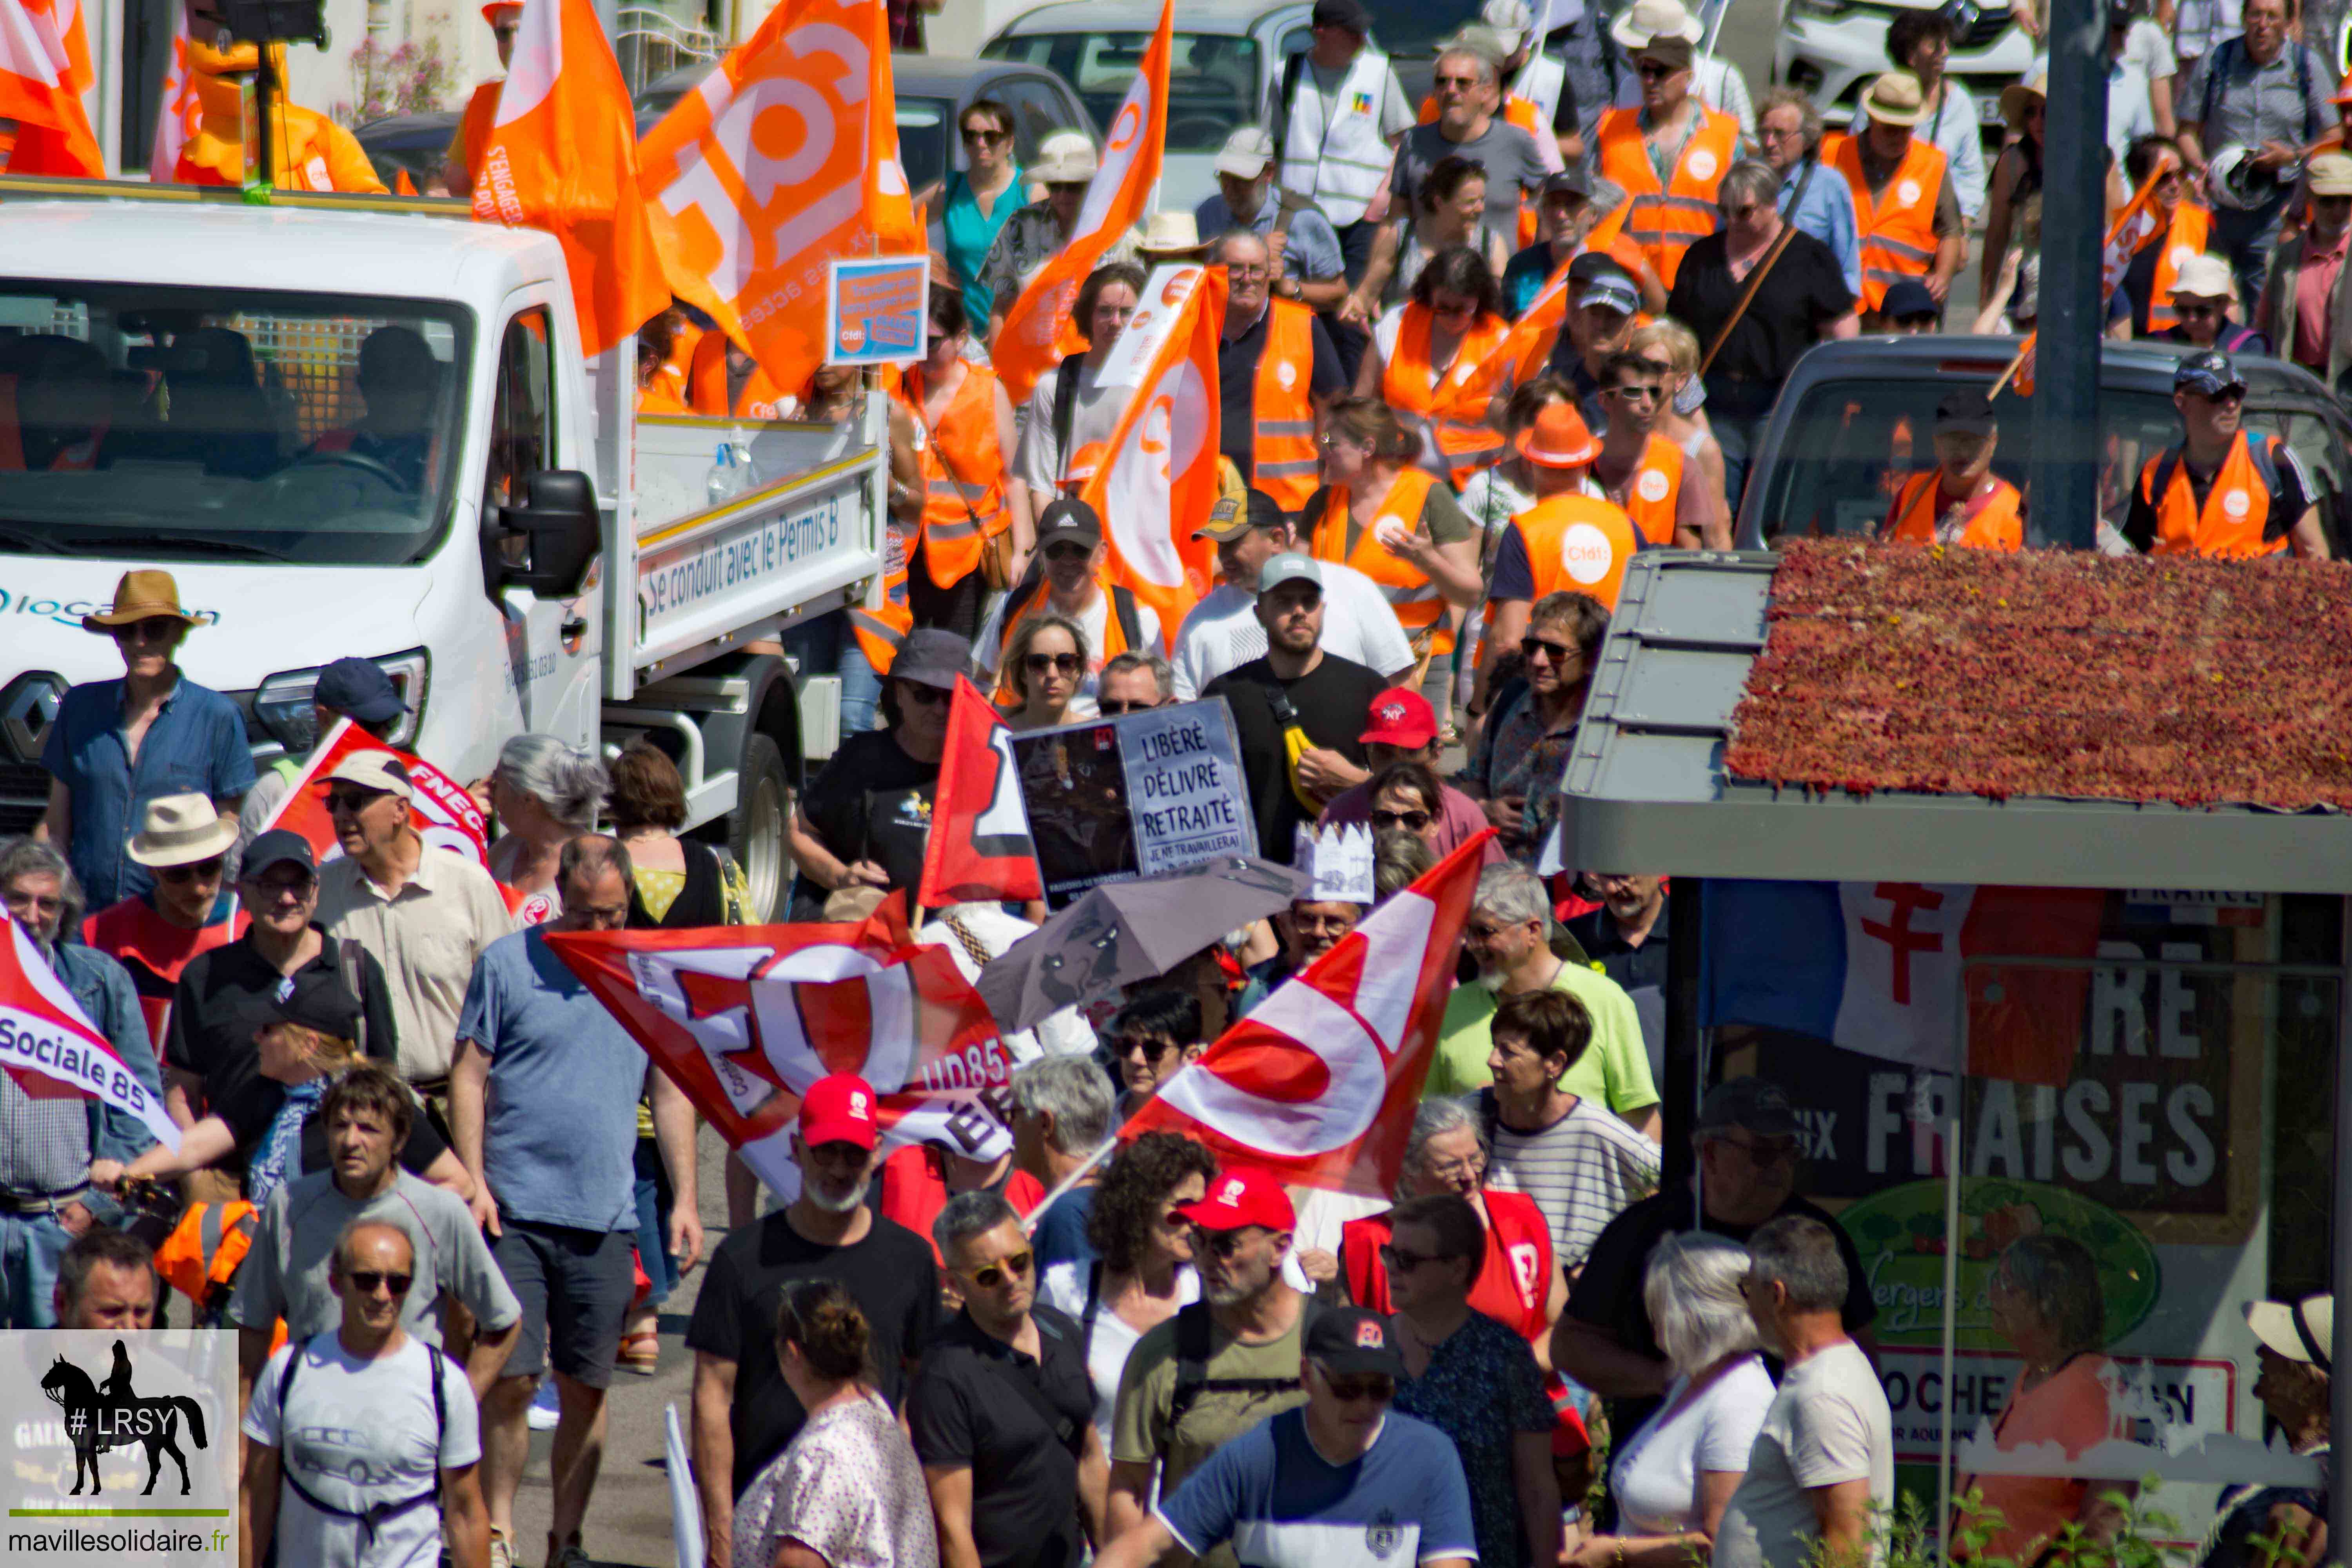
x=849, y=1488
x=1310, y=245
x=1331, y=701
x=1140, y=1426
x=889, y=1272
x=962, y=1410
x=2295, y=495
x=1482, y=1390
x=872, y=803
x=1826, y=212
x=560, y=1128
x=1655, y=1472
x=428, y=937
x=2253, y=104
x=1060, y=1231
x=1614, y=1070
x=1828, y=1425
x=1222, y=633
x=195, y=745
x=1583, y=1170
x=1283, y=1505
x=372, y=1419
x=1237, y=363
x=1040, y=459
x=285, y=1273
x=1514, y=165
x=1800, y=298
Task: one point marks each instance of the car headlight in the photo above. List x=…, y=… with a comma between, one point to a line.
x=283, y=702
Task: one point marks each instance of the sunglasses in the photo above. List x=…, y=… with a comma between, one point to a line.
x=2229, y=394
x=1398, y=1258
x=972, y=138
x=989, y=1276
x=157, y=630
x=1144, y=1046
x=1442, y=82
x=370, y=1280
x=194, y=871
x=1039, y=663
x=1651, y=70
x=1068, y=552
x=353, y=800
x=1414, y=820
x=1532, y=648
x=1635, y=394
x=1377, y=1386
x=1112, y=707
x=923, y=696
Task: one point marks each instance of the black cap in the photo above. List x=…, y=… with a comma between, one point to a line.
x=317, y=999
x=1750, y=1103
x=268, y=848
x=1350, y=1340
x=1908, y=301
x=932, y=655
x=1069, y=519
x=1569, y=182
x=1594, y=264
x=1348, y=13
x=2206, y=372
x=1964, y=410
x=357, y=688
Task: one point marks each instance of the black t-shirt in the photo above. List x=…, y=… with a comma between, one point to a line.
x=1608, y=1294
x=889, y=1274
x=1630, y=967
x=1803, y=293
x=1237, y=386
x=2287, y=507
x=964, y=1409
x=872, y=802
x=1334, y=702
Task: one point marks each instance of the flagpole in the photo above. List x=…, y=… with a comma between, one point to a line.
x=1109, y=1147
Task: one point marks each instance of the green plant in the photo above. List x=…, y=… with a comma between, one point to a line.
x=413, y=78
x=2129, y=1534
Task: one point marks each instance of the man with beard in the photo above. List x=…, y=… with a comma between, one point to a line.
x=744, y=1412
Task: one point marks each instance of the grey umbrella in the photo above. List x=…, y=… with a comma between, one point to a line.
x=1131, y=930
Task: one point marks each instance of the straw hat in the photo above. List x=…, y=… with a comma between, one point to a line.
x=1646, y=19
x=180, y=829
x=143, y=595
x=1168, y=234
x=1894, y=98
x=1063, y=158
x=2014, y=95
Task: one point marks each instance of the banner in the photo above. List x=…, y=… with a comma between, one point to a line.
x=443, y=812
x=978, y=846
x=49, y=1045
x=744, y=1018
x=2131, y=229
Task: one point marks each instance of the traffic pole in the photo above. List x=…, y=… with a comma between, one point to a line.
x=2064, y=467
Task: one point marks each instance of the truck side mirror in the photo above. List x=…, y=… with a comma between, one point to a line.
x=558, y=532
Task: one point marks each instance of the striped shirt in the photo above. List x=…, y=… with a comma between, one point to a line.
x=1581, y=1171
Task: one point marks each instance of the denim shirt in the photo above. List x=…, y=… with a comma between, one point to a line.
x=196, y=745
x=103, y=988
x=1827, y=214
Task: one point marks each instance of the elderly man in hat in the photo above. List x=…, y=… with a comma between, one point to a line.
x=186, y=842
x=2302, y=308
x=1671, y=153
x=2203, y=294
x=353, y=689
x=116, y=745
x=1715, y=81
x=1903, y=195
x=1066, y=165
x=2294, y=1345
x=1309, y=267
x=464, y=159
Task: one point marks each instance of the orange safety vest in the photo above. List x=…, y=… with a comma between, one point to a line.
x=1898, y=227
x=201, y=1256
x=1994, y=522
x=707, y=384
x=1578, y=544
x=1666, y=220
x=474, y=130
x=963, y=475
x=666, y=394
x=880, y=631
x=1282, y=451
x=1420, y=607
x=2185, y=238
x=81, y=455
x=1653, y=491
x=1029, y=595
x=2237, y=509
x=1422, y=396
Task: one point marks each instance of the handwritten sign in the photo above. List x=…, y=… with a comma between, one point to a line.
x=876, y=309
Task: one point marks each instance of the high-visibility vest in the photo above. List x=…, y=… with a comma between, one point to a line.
x=201, y=1256
x=707, y=384
x=1898, y=225
x=2183, y=239
x=81, y=455
x=881, y=628
x=1653, y=491
x=1282, y=450
x=2236, y=509
x=1342, y=165
x=1666, y=220
x=1430, y=401
x=1420, y=607
x=666, y=392
x=1994, y=522
x=1578, y=544
x=963, y=473
x=474, y=130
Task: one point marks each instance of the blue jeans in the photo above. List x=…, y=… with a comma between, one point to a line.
x=653, y=1235
x=30, y=1246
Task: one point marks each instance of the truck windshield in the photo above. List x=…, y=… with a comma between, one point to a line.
x=315, y=428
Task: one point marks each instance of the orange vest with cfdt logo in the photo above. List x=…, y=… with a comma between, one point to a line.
x=1578, y=544
x=1419, y=607
x=1898, y=228
x=1666, y=220
x=1995, y=525
x=2236, y=509
x=1653, y=491
x=2183, y=239
x=963, y=475
x=1282, y=451
x=1433, y=401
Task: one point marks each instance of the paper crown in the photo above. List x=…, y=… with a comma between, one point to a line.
x=1339, y=861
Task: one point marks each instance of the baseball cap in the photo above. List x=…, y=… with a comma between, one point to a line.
x=1238, y=1198
x=2203, y=278
x=1611, y=293
x=1068, y=518
x=1964, y=410
x=280, y=844
x=374, y=770
x=1908, y=298
x=1400, y=718
x=360, y=689
x=1352, y=1342
x=2206, y=372
x=1592, y=265
x=2330, y=175
x=1348, y=13
x=2300, y=1330
x=933, y=657
x=1567, y=182
x=1288, y=566
x=1749, y=1103
x=318, y=999
x=838, y=1108
x=1246, y=153
x=1235, y=516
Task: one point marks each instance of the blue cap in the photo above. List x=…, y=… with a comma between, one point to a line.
x=357, y=688
x=2206, y=374
x=1908, y=298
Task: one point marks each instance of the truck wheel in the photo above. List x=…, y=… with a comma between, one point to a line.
x=755, y=830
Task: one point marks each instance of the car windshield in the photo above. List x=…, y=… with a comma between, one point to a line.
x=1415, y=26
x=923, y=140
x=1213, y=77
x=195, y=423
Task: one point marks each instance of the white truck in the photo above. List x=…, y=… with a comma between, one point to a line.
x=489, y=519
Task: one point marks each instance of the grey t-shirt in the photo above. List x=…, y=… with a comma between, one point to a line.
x=2253, y=104
x=285, y=1273
x=1508, y=154
x=1094, y=417
x=1829, y=1423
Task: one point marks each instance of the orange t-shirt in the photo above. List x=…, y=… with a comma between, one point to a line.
x=2070, y=1409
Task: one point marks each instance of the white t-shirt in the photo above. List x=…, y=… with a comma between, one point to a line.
x=359, y=1433
x=1064, y=1288
x=1095, y=623
x=1829, y=1423
x=1094, y=417
x=1223, y=633
x=1062, y=1033
x=1654, y=1477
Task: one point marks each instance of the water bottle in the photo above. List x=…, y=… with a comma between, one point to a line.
x=726, y=480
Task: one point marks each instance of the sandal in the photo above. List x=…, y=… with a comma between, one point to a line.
x=640, y=1352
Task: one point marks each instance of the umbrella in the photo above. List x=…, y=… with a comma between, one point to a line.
x=1130, y=930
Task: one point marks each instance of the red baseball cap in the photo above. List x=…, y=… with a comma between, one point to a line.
x=1237, y=1198
x=838, y=1108
x=1400, y=718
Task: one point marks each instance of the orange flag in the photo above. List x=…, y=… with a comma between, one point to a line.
x=564, y=157
x=44, y=68
x=2133, y=226
x=178, y=113
x=785, y=158
x=1158, y=477
x=1031, y=343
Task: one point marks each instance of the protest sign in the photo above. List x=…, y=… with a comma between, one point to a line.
x=875, y=310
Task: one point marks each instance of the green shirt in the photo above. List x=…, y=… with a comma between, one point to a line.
x=1614, y=1070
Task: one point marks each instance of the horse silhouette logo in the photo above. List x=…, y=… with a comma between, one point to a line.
x=112, y=1416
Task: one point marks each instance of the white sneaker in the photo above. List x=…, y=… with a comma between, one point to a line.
x=544, y=1411
x=501, y=1554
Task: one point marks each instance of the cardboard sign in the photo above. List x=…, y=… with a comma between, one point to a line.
x=1134, y=795
x=876, y=309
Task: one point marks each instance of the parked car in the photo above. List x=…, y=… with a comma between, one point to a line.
x=1830, y=50
x=413, y=142
x=1856, y=417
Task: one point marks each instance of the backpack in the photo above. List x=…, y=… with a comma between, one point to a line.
x=374, y=1515
x=2223, y=59
x=1122, y=605
x=1192, y=1349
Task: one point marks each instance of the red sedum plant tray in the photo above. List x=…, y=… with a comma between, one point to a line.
x=2052, y=673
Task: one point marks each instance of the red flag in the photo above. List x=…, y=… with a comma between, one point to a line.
x=2025, y=1025
x=402, y=186
x=50, y=1047
x=1318, y=1085
x=978, y=846
x=44, y=69
x=744, y=1018
x=442, y=812
x=564, y=157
